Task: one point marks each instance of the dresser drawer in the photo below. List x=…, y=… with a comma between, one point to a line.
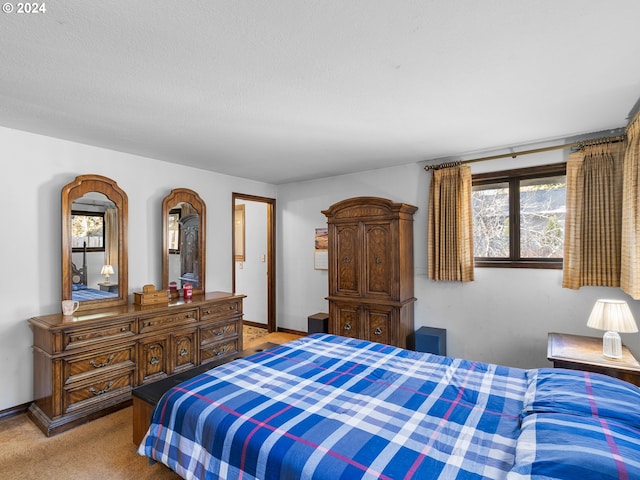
x=218, y=332
x=158, y=322
x=105, y=389
x=218, y=350
x=221, y=310
x=80, y=337
x=98, y=362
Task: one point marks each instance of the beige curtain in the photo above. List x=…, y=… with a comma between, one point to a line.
x=594, y=217
x=450, y=237
x=630, y=271
x=111, y=236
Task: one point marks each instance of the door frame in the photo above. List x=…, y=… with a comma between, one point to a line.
x=271, y=251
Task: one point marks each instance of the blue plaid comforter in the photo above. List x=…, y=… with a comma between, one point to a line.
x=328, y=407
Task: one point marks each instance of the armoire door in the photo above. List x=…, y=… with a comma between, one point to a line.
x=378, y=272
x=347, y=260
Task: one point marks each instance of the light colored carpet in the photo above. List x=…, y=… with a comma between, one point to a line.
x=99, y=450
x=275, y=337
x=250, y=333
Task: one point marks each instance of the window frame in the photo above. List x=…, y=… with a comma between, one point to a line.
x=177, y=214
x=85, y=213
x=513, y=178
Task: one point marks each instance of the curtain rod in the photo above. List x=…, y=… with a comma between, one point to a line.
x=580, y=144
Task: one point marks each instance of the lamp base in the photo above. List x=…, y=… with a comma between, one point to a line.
x=612, y=345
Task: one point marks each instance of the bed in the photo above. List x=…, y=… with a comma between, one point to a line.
x=329, y=407
x=80, y=291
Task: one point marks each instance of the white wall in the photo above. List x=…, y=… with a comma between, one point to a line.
x=502, y=317
x=35, y=170
x=251, y=275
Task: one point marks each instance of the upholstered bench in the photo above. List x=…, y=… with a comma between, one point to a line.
x=145, y=397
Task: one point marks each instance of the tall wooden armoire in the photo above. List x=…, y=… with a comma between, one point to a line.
x=371, y=270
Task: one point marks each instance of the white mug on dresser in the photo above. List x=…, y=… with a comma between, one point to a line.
x=69, y=307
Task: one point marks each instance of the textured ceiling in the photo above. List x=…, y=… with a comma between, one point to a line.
x=287, y=90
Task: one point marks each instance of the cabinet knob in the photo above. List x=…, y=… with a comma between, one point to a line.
x=378, y=260
x=377, y=331
x=347, y=326
x=346, y=259
x=183, y=352
x=154, y=360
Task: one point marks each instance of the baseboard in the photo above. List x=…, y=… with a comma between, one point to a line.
x=293, y=332
x=13, y=411
x=254, y=324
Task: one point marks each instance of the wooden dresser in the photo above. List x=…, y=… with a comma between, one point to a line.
x=85, y=366
x=371, y=270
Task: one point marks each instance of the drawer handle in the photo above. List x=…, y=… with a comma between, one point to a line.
x=183, y=352
x=100, y=392
x=124, y=329
x=154, y=360
x=219, y=333
x=103, y=364
x=222, y=351
x=347, y=326
x=377, y=331
x=207, y=312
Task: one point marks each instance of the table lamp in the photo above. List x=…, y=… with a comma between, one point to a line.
x=613, y=316
x=107, y=270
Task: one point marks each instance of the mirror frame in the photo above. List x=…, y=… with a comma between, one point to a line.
x=180, y=195
x=82, y=185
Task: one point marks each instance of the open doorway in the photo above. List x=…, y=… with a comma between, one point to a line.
x=253, y=256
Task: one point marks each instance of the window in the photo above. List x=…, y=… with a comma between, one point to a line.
x=87, y=229
x=518, y=217
x=173, y=231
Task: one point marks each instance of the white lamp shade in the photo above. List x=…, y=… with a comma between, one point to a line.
x=612, y=315
x=106, y=270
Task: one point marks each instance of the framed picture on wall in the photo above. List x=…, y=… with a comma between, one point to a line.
x=321, y=254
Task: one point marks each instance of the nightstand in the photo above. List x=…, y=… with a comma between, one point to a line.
x=109, y=287
x=585, y=353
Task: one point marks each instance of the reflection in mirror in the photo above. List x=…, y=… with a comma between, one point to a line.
x=183, y=260
x=94, y=250
x=94, y=247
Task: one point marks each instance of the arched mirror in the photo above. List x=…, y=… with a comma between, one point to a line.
x=94, y=242
x=183, y=240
